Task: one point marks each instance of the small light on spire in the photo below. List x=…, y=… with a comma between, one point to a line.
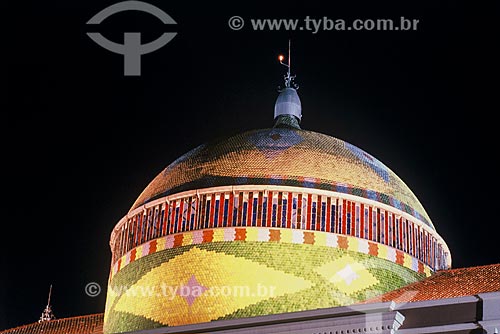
x=280, y=58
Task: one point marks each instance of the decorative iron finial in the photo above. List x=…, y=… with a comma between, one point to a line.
x=288, y=109
x=47, y=314
x=289, y=78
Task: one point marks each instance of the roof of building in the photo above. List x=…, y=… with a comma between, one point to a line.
x=85, y=324
x=447, y=284
x=443, y=284
x=289, y=157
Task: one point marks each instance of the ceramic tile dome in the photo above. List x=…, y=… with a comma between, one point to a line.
x=268, y=221
x=285, y=156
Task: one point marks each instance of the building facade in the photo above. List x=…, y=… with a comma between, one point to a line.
x=283, y=230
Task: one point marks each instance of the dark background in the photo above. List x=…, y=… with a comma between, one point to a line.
x=80, y=141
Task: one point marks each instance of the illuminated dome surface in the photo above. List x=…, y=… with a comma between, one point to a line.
x=266, y=222
x=285, y=156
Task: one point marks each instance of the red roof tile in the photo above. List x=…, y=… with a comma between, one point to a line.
x=443, y=284
x=447, y=284
x=85, y=324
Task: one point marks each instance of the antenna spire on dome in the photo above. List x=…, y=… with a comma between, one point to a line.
x=289, y=78
x=288, y=109
x=47, y=314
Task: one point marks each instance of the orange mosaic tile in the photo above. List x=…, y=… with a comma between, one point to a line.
x=447, y=284
x=85, y=324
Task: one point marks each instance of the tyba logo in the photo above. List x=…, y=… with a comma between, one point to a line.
x=131, y=49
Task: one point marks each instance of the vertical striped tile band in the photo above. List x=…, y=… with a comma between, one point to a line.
x=291, y=208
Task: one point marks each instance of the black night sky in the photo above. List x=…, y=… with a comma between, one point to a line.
x=81, y=140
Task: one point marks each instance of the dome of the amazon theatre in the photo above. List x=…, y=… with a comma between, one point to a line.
x=265, y=222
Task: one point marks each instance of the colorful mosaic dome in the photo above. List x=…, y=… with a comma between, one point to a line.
x=266, y=222
x=285, y=156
